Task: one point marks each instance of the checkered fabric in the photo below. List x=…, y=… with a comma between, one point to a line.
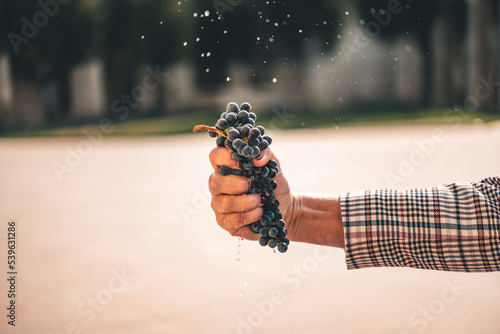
x=452, y=227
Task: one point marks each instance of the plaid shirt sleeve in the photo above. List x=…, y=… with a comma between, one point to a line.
x=452, y=227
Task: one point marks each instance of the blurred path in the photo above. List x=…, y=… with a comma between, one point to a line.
x=126, y=242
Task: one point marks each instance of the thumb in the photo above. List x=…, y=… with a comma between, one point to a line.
x=264, y=158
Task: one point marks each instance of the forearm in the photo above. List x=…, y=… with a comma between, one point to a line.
x=317, y=219
x=453, y=227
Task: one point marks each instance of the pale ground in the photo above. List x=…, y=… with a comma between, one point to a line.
x=120, y=210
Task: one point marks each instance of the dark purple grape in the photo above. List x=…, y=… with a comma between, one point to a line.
x=222, y=124
x=263, y=241
x=261, y=129
x=245, y=131
x=263, y=145
x=247, y=151
x=220, y=141
x=233, y=134
x=246, y=106
x=243, y=116
x=282, y=247
x=272, y=243
x=236, y=156
x=232, y=107
x=268, y=139
x=254, y=133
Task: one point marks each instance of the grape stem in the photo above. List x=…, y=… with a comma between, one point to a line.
x=206, y=127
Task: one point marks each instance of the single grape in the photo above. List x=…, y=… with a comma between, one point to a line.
x=231, y=117
x=280, y=224
x=265, y=220
x=236, y=156
x=233, y=134
x=282, y=247
x=270, y=214
x=238, y=143
x=273, y=232
x=263, y=241
x=232, y=107
x=268, y=139
x=246, y=106
x=243, y=116
x=256, y=152
x=264, y=231
x=273, y=185
x=264, y=172
x=286, y=241
x=212, y=134
x=247, y=151
x=272, y=243
x=261, y=129
x=245, y=131
x=220, y=141
x=254, y=133
x=253, y=141
x=255, y=227
x=272, y=173
x=222, y=124
x=247, y=165
x=252, y=116
x=263, y=145
x=283, y=233
x=251, y=122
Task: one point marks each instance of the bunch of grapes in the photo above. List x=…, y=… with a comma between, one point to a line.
x=236, y=130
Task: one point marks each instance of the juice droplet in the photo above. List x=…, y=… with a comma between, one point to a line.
x=246, y=282
x=259, y=292
x=238, y=259
x=242, y=294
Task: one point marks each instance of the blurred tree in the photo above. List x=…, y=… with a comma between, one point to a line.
x=414, y=19
x=138, y=33
x=45, y=42
x=260, y=34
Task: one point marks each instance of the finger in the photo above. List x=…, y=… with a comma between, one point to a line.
x=232, y=203
x=265, y=156
x=228, y=185
x=233, y=221
x=221, y=156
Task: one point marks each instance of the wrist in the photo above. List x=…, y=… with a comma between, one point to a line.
x=316, y=219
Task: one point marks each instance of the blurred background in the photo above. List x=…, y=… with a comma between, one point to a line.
x=108, y=188
x=64, y=63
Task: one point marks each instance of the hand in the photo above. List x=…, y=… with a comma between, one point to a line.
x=233, y=208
